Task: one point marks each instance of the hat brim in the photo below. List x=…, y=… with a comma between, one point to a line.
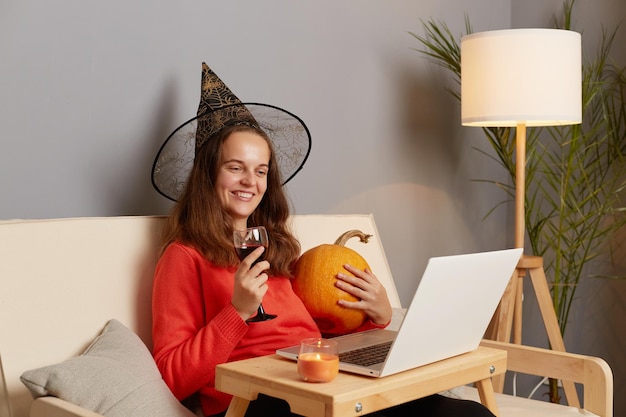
x=291, y=141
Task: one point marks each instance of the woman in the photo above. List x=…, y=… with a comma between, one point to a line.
x=203, y=294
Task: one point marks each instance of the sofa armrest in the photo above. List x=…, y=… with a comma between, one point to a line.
x=594, y=374
x=56, y=407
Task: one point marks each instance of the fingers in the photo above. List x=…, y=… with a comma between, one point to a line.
x=362, y=292
x=363, y=284
x=248, y=293
x=366, y=287
x=250, y=284
x=255, y=257
x=366, y=275
x=252, y=265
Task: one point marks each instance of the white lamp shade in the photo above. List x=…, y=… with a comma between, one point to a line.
x=521, y=76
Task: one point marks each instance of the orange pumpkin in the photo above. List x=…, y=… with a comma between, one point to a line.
x=314, y=282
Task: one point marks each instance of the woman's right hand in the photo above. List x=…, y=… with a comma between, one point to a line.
x=250, y=284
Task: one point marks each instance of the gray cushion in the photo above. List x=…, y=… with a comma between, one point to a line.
x=116, y=376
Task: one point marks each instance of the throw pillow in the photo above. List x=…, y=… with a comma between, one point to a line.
x=115, y=376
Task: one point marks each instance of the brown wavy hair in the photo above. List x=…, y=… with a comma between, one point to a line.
x=199, y=220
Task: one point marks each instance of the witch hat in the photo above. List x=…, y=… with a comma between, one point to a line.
x=219, y=108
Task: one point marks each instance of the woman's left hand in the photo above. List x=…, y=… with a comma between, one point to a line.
x=367, y=288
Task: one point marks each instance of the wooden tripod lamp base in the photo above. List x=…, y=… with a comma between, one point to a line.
x=507, y=321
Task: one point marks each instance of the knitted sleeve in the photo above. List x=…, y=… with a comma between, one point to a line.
x=187, y=344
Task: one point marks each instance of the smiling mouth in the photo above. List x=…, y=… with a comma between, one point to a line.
x=243, y=195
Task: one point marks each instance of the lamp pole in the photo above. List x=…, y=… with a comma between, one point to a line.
x=520, y=184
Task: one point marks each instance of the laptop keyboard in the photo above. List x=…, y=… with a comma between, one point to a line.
x=366, y=356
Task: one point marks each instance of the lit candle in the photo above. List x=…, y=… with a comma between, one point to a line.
x=318, y=367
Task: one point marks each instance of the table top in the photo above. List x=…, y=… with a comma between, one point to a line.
x=350, y=394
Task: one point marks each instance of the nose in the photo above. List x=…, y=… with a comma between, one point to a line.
x=248, y=178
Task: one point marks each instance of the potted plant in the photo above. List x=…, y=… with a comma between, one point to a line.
x=575, y=175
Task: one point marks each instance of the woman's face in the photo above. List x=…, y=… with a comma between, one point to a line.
x=242, y=175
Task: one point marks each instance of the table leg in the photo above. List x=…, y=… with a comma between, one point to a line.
x=237, y=407
x=487, y=397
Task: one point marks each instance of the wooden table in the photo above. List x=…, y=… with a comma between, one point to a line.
x=353, y=395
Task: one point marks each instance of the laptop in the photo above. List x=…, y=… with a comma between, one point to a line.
x=448, y=316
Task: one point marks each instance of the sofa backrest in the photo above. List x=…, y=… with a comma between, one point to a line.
x=61, y=280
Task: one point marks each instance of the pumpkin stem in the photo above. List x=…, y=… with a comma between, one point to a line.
x=363, y=237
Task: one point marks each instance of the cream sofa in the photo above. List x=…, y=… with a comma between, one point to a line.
x=64, y=280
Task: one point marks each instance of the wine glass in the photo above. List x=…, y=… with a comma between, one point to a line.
x=246, y=241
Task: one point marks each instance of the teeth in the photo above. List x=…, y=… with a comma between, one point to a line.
x=244, y=195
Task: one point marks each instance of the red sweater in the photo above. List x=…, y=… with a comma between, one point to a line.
x=195, y=326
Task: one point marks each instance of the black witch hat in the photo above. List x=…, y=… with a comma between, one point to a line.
x=219, y=108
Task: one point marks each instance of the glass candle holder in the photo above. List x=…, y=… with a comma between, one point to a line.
x=318, y=360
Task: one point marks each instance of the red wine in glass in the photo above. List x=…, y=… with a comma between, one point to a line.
x=242, y=252
x=246, y=241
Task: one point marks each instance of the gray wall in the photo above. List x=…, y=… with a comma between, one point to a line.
x=89, y=90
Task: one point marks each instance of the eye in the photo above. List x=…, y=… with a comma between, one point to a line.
x=234, y=168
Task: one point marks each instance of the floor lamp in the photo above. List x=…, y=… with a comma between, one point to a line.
x=519, y=78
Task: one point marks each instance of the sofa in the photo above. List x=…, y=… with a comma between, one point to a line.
x=75, y=325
